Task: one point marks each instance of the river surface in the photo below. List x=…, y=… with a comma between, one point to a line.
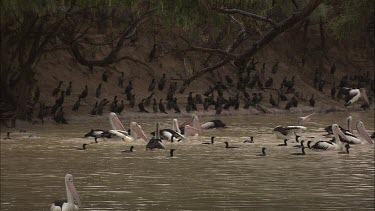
x=199, y=177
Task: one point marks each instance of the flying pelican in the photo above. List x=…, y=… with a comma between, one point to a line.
x=301, y=120
x=352, y=95
x=71, y=194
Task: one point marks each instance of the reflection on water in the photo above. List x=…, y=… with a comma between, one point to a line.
x=199, y=177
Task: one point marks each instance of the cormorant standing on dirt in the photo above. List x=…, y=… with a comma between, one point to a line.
x=142, y=107
x=333, y=91
x=105, y=76
x=129, y=87
x=93, y=110
x=161, y=106
x=272, y=101
x=269, y=82
x=77, y=104
x=294, y=101
x=155, y=106
x=121, y=80
x=41, y=112
x=54, y=107
x=152, y=85
x=275, y=67
x=132, y=101
x=121, y=107
x=84, y=93
x=60, y=100
x=59, y=116
x=289, y=105
x=312, y=101
x=69, y=89
x=148, y=100
x=219, y=106
x=206, y=104
x=113, y=106
x=57, y=89
x=151, y=56
x=101, y=106
x=98, y=91
x=162, y=82
x=129, y=95
x=175, y=106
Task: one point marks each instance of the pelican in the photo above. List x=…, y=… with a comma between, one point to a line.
x=329, y=145
x=71, y=194
x=352, y=139
x=155, y=142
x=301, y=120
x=287, y=132
x=213, y=124
x=363, y=134
x=352, y=95
x=349, y=129
x=191, y=127
x=175, y=126
x=119, y=130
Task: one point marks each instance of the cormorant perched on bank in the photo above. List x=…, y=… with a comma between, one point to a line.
x=155, y=106
x=77, y=104
x=93, y=110
x=175, y=106
x=142, y=107
x=121, y=107
x=69, y=89
x=152, y=85
x=121, y=80
x=161, y=107
x=57, y=89
x=59, y=116
x=162, y=82
x=98, y=91
x=84, y=93
x=312, y=101
x=148, y=100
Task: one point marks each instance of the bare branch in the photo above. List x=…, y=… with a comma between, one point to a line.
x=267, y=38
x=208, y=50
x=247, y=14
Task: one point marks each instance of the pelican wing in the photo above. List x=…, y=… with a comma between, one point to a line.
x=323, y=145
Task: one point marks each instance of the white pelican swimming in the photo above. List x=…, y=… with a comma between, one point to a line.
x=155, y=142
x=363, y=135
x=191, y=127
x=71, y=194
x=352, y=95
x=119, y=130
x=329, y=145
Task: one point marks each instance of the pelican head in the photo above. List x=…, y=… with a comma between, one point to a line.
x=71, y=190
x=364, y=95
x=115, y=122
x=363, y=132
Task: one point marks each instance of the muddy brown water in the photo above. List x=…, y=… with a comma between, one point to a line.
x=199, y=177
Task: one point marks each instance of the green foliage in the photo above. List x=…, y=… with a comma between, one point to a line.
x=351, y=18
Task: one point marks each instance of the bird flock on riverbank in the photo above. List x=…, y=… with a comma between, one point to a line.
x=249, y=89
